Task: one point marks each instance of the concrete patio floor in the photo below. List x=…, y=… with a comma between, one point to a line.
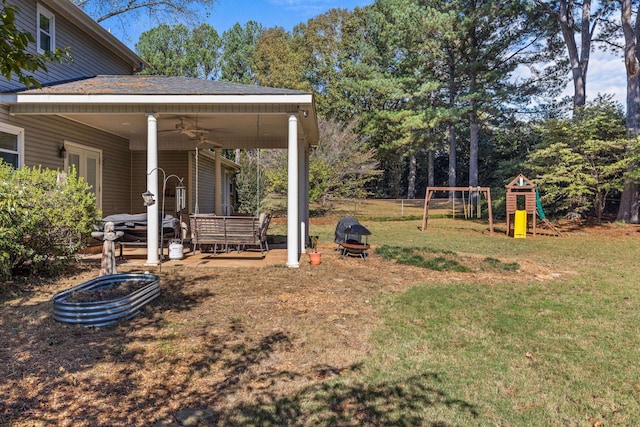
x=248, y=258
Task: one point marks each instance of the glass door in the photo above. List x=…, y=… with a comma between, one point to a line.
x=88, y=165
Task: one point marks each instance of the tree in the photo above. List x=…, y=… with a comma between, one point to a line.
x=165, y=49
x=630, y=199
x=251, y=182
x=577, y=20
x=325, y=41
x=204, y=46
x=102, y=10
x=276, y=61
x=494, y=38
x=180, y=51
x=435, y=63
x=340, y=167
x=580, y=162
x=237, y=55
x=15, y=58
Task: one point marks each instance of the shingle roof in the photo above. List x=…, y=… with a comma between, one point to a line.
x=156, y=85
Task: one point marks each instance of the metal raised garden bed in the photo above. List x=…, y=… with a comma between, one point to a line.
x=102, y=312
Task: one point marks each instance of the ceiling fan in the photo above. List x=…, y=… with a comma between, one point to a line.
x=186, y=129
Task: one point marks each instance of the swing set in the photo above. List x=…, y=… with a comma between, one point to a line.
x=469, y=203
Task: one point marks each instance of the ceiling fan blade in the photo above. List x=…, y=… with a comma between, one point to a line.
x=190, y=133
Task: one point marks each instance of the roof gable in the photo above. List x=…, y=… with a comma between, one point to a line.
x=520, y=182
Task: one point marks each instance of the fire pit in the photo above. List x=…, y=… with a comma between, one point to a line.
x=350, y=235
x=106, y=299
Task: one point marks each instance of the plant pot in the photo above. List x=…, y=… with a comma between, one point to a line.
x=314, y=258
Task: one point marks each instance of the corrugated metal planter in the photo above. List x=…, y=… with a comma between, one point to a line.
x=108, y=311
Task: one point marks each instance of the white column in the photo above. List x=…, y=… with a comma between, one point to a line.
x=153, y=230
x=293, y=227
x=217, y=201
x=305, y=181
x=302, y=189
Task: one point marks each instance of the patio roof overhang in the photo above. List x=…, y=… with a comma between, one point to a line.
x=234, y=115
x=175, y=113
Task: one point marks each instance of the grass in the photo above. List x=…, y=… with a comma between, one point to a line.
x=521, y=356
x=499, y=265
x=416, y=257
x=558, y=352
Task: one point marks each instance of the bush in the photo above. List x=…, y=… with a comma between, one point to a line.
x=44, y=216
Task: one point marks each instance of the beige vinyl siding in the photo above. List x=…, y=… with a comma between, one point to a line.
x=45, y=134
x=90, y=58
x=182, y=164
x=206, y=182
x=173, y=163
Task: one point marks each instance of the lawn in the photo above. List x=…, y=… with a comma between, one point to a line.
x=529, y=332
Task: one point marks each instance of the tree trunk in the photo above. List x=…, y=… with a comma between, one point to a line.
x=629, y=203
x=473, y=146
x=431, y=165
x=452, y=127
x=473, y=114
x=452, y=155
x=411, y=187
x=628, y=210
x=578, y=58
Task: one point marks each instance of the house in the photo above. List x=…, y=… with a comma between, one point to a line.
x=125, y=132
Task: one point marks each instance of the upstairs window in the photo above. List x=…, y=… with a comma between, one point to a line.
x=46, y=30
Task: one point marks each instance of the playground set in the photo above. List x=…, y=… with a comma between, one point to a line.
x=523, y=202
x=523, y=205
x=467, y=203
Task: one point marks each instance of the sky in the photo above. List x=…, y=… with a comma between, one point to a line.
x=606, y=72
x=269, y=13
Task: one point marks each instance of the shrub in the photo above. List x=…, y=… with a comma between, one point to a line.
x=44, y=216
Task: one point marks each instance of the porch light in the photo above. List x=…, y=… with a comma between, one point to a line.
x=62, y=152
x=148, y=198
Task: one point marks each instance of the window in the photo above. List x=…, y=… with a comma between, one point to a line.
x=11, y=145
x=46, y=30
x=88, y=164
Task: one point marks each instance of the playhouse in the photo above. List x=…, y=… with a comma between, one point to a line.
x=523, y=207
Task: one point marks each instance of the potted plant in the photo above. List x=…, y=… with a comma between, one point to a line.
x=314, y=255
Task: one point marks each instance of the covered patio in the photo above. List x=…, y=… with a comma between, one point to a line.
x=136, y=257
x=156, y=113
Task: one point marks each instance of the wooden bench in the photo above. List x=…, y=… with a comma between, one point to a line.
x=228, y=231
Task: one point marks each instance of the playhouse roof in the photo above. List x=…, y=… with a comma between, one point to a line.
x=520, y=182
